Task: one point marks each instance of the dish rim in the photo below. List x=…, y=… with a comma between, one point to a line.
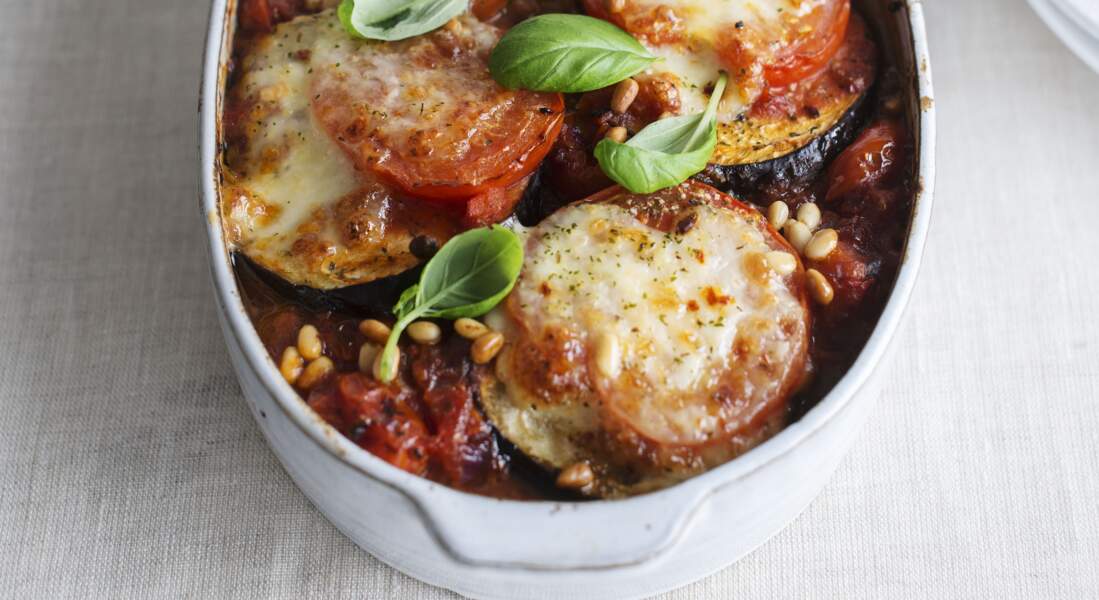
x=421, y=491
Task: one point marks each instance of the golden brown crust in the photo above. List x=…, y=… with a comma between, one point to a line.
x=790, y=119
x=551, y=400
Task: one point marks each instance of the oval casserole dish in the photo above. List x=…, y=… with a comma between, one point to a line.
x=488, y=548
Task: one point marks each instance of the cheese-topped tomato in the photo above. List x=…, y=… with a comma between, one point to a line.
x=292, y=200
x=426, y=115
x=760, y=43
x=334, y=143
x=652, y=336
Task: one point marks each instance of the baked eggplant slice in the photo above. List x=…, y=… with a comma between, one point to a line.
x=788, y=137
x=749, y=180
x=649, y=336
x=342, y=152
x=375, y=298
x=800, y=72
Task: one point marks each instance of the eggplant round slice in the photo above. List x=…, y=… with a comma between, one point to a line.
x=651, y=336
x=787, y=140
x=341, y=153
x=785, y=121
x=789, y=137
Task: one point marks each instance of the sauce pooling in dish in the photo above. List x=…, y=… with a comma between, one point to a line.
x=648, y=337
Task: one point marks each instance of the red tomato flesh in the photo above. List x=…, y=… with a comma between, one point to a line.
x=812, y=51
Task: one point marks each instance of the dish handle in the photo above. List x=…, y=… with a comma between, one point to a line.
x=569, y=535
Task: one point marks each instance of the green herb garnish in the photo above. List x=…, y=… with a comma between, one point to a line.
x=467, y=277
x=397, y=19
x=566, y=53
x=665, y=153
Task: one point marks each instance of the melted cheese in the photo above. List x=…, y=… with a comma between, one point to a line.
x=690, y=37
x=399, y=84
x=648, y=335
x=293, y=201
x=675, y=302
x=426, y=114
x=290, y=162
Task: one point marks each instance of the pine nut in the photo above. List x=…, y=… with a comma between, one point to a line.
x=617, y=134
x=576, y=476
x=425, y=332
x=486, y=347
x=783, y=263
x=665, y=115
x=819, y=288
x=309, y=343
x=809, y=213
x=391, y=374
x=616, y=6
x=608, y=355
x=778, y=213
x=470, y=329
x=375, y=330
x=367, y=353
x=291, y=365
x=453, y=26
x=316, y=372
x=624, y=95
x=797, y=234
x=821, y=244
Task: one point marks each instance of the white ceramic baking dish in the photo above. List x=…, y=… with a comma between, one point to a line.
x=489, y=548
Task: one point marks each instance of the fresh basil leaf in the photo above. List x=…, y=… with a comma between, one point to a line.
x=566, y=53
x=467, y=277
x=471, y=273
x=369, y=11
x=666, y=152
x=392, y=20
x=407, y=301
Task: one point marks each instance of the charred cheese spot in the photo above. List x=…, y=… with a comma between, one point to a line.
x=704, y=357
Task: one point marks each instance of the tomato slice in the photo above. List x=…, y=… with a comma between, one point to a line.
x=494, y=205
x=255, y=15
x=811, y=51
x=486, y=10
x=263, y=15
x=426, y=115
x=871, y=159
x=768, y=51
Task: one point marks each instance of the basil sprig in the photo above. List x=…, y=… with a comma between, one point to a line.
x=467, y=277
x=566, y=53
x=664, y=153
x=397, y=19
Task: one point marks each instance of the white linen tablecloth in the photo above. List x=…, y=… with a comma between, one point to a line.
x=129, y=465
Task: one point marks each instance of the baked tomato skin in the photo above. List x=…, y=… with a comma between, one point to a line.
x=812, y=51
x=380, y=418
x=852, y=273
x=262, y=15
x=486, y=10
x=450, y=182
x=425, y=115
x=874, y=159
x=818, y=37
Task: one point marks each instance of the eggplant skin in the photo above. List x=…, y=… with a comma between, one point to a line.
x=375, y=298
x=795, y=169
x=759, y=155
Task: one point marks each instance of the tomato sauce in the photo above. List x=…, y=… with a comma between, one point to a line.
x=432, y=425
